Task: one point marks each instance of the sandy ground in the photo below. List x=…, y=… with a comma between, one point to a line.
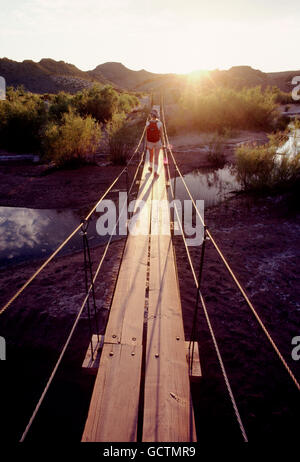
x=260, y=237
x=26, y=186
x=189, y=148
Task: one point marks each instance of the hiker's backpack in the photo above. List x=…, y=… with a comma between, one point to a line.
x=153, y=133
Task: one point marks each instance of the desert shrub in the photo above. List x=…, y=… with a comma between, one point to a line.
x=121, y=138
x=281, y=97
x=22, y=121
x=126, y=102
x=14, y=94
x=255, y=165
x=60, y=105
x=73, y=141
x=99, y=102
x=224, y=108
x=28, y=122
x=215, y=154
x=259, y=168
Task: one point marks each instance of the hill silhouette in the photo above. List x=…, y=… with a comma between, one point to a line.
x=50, y=76
x=121, y=76
x=46, y=76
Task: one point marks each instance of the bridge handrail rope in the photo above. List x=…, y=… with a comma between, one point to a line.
x=238, y=284
x=68, y=238
x=193, y=272
x=224, y=373
x=38, y=405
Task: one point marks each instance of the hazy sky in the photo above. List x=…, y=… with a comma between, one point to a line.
x=157, y=35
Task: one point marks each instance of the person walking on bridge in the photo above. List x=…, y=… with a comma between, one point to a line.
x=154, y=135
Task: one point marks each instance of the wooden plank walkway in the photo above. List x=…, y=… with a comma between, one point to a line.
x=168, y=415
x=113, y=411
x=114, y=408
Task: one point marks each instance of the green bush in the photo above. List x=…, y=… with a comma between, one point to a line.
x=72, y=142
x=32, y=123
x=224, y=108
x=127, y=102
x=60, y=104
x=121, y=138
x=215, y=153
x=255, y=165
x=258, y=167
x=281, y=97
x=22, y=121
x=15, y=94
x=99, y=102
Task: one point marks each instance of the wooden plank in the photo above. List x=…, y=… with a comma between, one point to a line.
x=114, y=407
x=113, y=411
x=168, y=413
x=127, y=310
x=195, y=371
x=90, y=364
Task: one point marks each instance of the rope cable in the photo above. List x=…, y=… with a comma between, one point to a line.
x=60, y=247
x=38, y=405
x=238, y=284
x=224, y=373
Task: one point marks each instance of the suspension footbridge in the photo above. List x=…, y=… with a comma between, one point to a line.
x=142, y=387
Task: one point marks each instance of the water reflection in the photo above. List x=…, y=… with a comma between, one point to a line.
x=210, y=185
x=30, y=233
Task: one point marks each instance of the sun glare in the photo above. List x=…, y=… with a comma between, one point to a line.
x=197, y=75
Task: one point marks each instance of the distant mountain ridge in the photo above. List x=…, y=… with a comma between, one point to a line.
x=47, y=76
x=120, y=75
x=246, y=76
x=50, y=76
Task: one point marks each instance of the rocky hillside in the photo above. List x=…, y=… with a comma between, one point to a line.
x=121, y=76
x=50, y=76
x=46, y=76
x=246, y=76
x=236, y=77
